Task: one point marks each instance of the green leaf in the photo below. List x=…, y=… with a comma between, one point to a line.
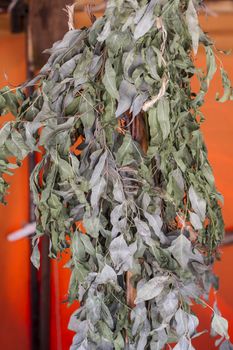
x=127, y=93
x=87, y=244
x=22, y=148
x=228, y=91
x=10, y=100
x=72, y=108
x=211, y=65
x=154, y=127
x=65, y=170
x=5, y=132
x=2, y=104
x=119, y=342
x=129, y=199
x=105, y=32
x=126, y=153
x=109, y=80
x=177, y=175
x=68, y=67
x=87, y=110
x=163, y=115
x=78, y=250
x=92, y=225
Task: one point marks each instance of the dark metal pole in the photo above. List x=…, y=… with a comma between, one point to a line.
x=45, y=295
x=39, y=287
x=34, y=278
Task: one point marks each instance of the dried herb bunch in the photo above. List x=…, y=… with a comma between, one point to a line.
x=118, y=125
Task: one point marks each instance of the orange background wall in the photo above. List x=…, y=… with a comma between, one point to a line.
x=14, y=257
x=14, y=263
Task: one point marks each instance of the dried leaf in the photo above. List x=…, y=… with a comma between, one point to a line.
x=198, y=203
x=181, y=249
x=105, y=32
x=226, y=345
x=163, y=113
x=121, y=254
x=211, y=65
x=35, y=257
x=220, y=325
x=142, y=228
x=195, y=221
x=98, y=169
x=151, y=289
x=228, y=91
x=193, y=25
x=127, y=92
x=146, y=21
x=107, y=275
x=184, y=344
x=97, y=191
x=109, y=80
x=156, y=223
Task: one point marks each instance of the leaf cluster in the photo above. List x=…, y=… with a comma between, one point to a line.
x=152, y=212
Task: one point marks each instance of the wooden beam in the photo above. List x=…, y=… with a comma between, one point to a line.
x=48, y=23
x=96, y=5
x=220, y=6
x=224, y=6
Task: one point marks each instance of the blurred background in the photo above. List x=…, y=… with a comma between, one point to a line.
x=34, y=315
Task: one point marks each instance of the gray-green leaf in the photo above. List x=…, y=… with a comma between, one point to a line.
x=220, y=325
x=35, y=257
x=193, y=25
x=98, y=169
x=163, y=114
x=198, y=203
x=146, y=21
x=97, y=192
x=151, y=289
x=109, y=80
x=181, y=249
x=226, y=345
x=121, y=254
x=127, y=93
x=195, y=221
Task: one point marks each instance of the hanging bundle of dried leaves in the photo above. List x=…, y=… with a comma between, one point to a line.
x=150, y=209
